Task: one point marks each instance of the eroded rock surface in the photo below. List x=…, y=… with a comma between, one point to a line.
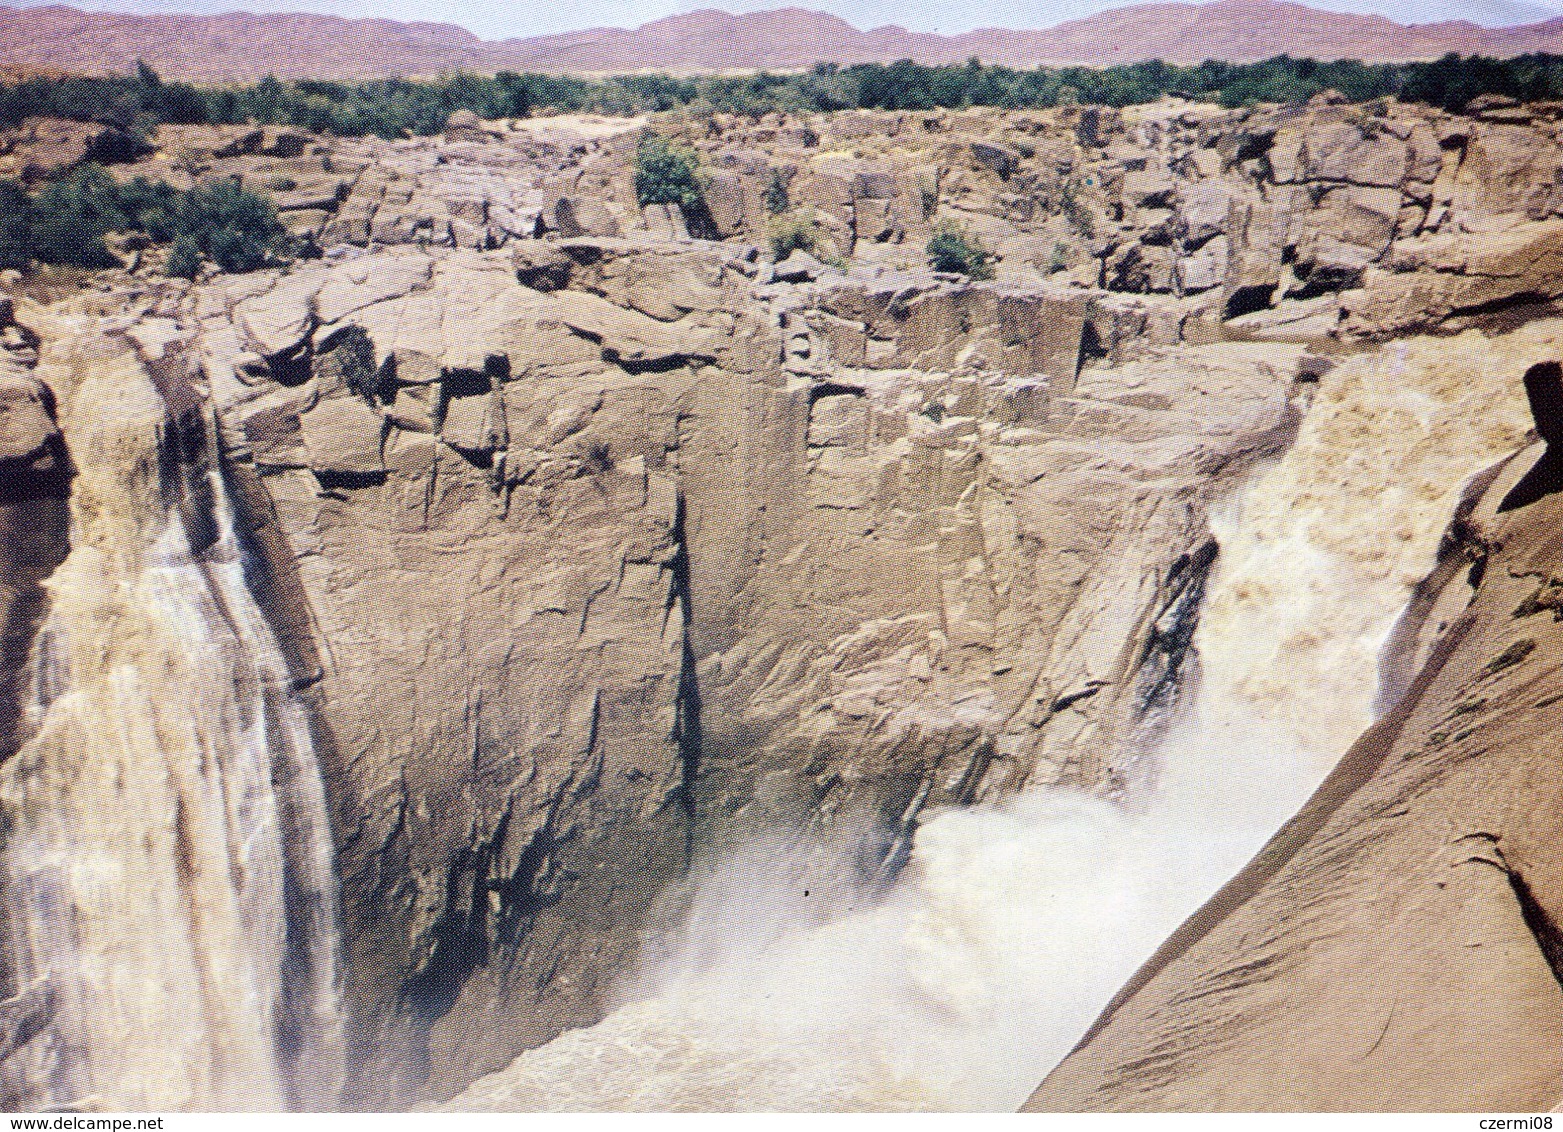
x=591, y=578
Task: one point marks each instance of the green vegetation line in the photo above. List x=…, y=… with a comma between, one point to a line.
x=394, y=108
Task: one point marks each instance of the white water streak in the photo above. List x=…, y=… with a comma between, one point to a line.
x=163, y=815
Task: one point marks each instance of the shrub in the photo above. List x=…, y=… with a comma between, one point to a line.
x=395, y=107
x=956, y=251
x=777, y=200
x=66, y=222
x=667, y=173
x=184, y=261
x=151, y=207
x=15, y=227
x=119, y=147
x=801, y=231
x=237, y=229
x=70, y=218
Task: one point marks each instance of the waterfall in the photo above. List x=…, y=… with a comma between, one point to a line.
x=167, y=862
x=1013, y=925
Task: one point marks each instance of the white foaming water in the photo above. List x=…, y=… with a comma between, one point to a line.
x=167, y=864
x=1013, y=925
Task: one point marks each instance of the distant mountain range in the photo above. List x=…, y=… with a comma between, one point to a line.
x=244, y=47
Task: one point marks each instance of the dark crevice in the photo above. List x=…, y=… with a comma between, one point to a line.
x=460, y=936
x=465, y=383
x=336, y=480
x=699, y=222
x=1540, y=924
x=650, y=365
x=688, y=733
x=1316, y=280
x=529, y=889
x=1171, y=638
x=1544, y=389
x=834, y=389
x=1249, y=300
x=1091, y=346
x=1253, y=146
x=1529, y=304
x=291, y=368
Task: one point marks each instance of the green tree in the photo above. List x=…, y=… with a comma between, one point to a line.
x=237, y=229
x=667, y=173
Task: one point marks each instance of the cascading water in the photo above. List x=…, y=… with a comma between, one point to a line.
x=168, y=867
x=1013, y=925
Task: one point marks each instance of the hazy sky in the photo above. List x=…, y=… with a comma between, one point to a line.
x=501, y=18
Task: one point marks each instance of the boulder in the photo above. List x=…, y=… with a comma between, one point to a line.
x=572, y=218
x=1001, y=159
x=799, y=267
x=724, y=196
x=342, y=438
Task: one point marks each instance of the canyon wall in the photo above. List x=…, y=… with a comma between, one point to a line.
x=581, y=593
x=553, y=555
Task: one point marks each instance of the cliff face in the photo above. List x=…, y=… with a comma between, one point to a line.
x=1396, y=946
x=590, y=592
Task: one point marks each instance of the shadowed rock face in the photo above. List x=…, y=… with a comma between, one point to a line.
x=1396, y=946
x=35, y=476
x=1544, y=388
